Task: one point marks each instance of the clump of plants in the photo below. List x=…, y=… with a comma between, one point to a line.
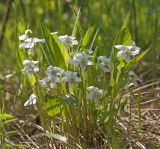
x=75, y=88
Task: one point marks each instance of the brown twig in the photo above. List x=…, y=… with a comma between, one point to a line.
x=5, y=20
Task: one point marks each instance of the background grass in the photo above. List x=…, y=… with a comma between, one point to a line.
x=60, y=16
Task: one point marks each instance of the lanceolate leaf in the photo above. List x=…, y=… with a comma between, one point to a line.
x=48, y=52
x=76, y=24
x=125, y=23
x=60, y=54
x=87, y=37
x=5, y=116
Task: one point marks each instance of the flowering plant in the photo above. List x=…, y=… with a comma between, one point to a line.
x=67, y=84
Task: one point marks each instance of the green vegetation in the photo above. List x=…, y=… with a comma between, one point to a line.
x=79, y=74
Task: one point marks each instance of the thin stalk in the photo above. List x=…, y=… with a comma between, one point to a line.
x=5, y=20
x=84, y=103
x=139, y=111
x=135, y=20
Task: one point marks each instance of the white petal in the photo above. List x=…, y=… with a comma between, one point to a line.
x=26, y=62
x=25, y=70
x=121, y=47
x=35, y=69
x=22, y=37
x=29, y=63
x=61, y=39
x=34, y=62
x=67, y=47
x=90, y=51
x=74, y=62
x=71, y=37
x=89, y=63
x=26, y=45
x=30, y=40
x=120, y=53
x=135, y=53
x=53, y=33
x=100, y=91
x=74, y=42
x=135, y=50
x=31, y=101
x=127, y=58
x=102, y=58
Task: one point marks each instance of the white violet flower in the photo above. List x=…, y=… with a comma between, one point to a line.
x=68, y=41
x=94, y=93
x=29, y=43
x=53, y=76
x=81, y=59
x=29, y=67
x=71, y=78
x=105, y=64
x=127, y=51
x=31, y=101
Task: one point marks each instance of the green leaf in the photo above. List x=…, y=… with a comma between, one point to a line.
x=119, y=68
x=127, y=39
x=95, y=35
x=87, y=37
x=52, y=106
x=55, y=53
x=112, y=81
x=5, y=116
x=20, y=56
x=9, y=121
x=48, y=52
x=76, y=24
x=32, y=80
x=61, y=56
x=69, y=99
x=125, y=23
